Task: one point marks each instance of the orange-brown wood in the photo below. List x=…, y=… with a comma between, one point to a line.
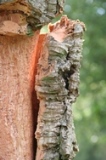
x=17, y=69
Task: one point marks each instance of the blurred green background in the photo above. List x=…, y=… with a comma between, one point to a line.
x=90, y=108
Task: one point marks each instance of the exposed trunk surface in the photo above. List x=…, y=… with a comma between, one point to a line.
x=17, y=66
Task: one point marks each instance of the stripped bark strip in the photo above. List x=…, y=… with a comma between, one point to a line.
x=56, y=85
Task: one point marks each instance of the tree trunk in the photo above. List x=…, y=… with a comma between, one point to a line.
x=49, y=63
x=18, y=21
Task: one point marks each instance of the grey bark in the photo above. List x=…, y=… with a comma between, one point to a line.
x=57, y=82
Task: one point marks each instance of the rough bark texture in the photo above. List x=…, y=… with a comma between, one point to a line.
x=56, y=85
x=25, y=16
x=17, y=68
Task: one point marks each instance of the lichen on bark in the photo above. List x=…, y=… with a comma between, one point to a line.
x=56, y=85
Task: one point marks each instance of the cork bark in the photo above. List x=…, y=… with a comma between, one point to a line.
x=20, y=22
x=23, y=17
x=57, y=82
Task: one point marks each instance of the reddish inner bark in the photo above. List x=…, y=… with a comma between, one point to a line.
x=35, y=101
x=18, y=103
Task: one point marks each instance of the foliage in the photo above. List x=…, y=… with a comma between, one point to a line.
x=90, y=109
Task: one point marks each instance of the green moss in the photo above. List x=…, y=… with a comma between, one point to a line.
x=30, y=32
